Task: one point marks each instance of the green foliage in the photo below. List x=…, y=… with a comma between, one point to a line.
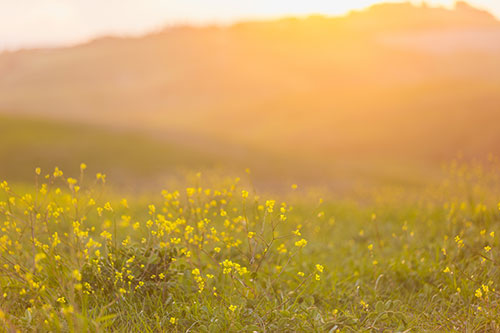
x=130, y=155
x=211, y=259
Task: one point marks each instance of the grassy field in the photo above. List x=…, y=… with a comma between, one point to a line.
x=76, y=256
x=28, y=142
x=157, y=234
x=138, y=161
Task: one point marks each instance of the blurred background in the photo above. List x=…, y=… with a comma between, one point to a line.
x=332, y=94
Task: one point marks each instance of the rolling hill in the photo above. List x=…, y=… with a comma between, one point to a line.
x=395, y=83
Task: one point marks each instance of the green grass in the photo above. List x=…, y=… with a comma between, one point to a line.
x=393, y=260
x=142, y=161
x=25, y=143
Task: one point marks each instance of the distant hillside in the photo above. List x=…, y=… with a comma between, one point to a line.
x=130, y=157
x=405, y=16
x=394, y=81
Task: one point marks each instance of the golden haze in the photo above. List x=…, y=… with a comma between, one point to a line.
x=395, y=82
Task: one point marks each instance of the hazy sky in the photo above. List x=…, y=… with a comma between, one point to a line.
x=31, y=23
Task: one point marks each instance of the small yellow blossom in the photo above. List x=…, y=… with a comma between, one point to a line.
x=270, y=205
x=106, y=235
x=68, y=310
x=76, y=275
x=301, y=243
x=107, y=206
x=124, y=203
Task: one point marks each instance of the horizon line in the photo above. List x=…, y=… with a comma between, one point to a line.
x=212, y=23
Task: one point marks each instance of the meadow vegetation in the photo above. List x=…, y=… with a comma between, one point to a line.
x=365, y=106
x=76, y=256
x=31, y=141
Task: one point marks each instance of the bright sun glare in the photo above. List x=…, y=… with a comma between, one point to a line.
x=57, y=22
